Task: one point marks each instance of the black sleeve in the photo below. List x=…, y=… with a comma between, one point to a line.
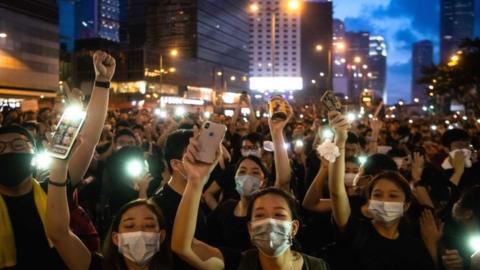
x=231, y=258
x=96, y=262
x=213, y=228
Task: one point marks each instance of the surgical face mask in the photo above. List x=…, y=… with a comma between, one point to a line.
x=467, y=153
x=246, y=185
x=350, y=179
x=386, y=212
x=271, y=236
x=139, y=247
x=15, y=167
x=256, y=153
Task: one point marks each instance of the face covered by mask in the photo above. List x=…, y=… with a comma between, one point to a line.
x=15, y=167
x=271, y=236
x=386, y=212
x=350, y=179
x=139, y=247
x=255, y=153
x=246, y=184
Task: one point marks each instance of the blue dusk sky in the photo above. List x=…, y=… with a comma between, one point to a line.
x=401, y=22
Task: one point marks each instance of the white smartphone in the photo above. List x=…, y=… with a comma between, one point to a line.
x=210, y=137
x=66, y=132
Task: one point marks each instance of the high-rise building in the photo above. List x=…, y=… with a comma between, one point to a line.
x=377, y=66
x=457, y=19
x=275, y=49
x=358, y=51
x=422, y=56
x=97, y=19
x=339, y=65
x=29, y=49
x=316, y=47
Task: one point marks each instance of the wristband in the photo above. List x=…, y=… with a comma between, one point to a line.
x=57, y=184
x=102, y=84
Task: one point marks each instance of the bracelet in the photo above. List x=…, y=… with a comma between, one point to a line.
x=57, y=184
x=102, y=84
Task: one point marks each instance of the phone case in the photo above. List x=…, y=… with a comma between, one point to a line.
x=211, y=135
x=331, y=102
x=65, y=134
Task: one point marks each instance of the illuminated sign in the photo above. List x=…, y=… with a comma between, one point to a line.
x=180, y=101
x=280, y=84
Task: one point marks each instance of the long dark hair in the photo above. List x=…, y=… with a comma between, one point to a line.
x=114, y=260
x=396, y=178
x=259, y=162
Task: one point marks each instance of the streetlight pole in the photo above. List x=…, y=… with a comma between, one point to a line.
x=273, y=39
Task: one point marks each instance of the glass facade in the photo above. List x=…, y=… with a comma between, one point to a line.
x=457, y=18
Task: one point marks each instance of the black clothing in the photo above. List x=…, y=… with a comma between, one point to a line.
x=367, y=249
x=224, y=229
x=30, y=235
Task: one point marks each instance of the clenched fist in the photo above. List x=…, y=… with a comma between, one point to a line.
x=104, y=66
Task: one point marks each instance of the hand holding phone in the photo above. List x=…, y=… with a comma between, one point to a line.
x=331, y=102
x=210, y=137
x=66, y=132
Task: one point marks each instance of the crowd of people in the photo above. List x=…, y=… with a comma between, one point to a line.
x=313, y=190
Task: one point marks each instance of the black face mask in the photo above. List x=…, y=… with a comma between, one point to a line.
x=14, y=168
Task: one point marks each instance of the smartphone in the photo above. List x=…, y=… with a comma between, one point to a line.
x=331, y=102
x=66, y=132
x=210, y=137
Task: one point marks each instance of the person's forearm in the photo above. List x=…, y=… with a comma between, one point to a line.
x=314, y=192
x=186, y=219
x=456, y=177
x=58, y=216
x=210, y=200
x=432, y=249
x=338, y=193
x=283, y=170
x=253, y=119
x=91, y=132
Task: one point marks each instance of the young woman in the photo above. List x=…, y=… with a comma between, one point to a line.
x=136, y=239
x=375, y=244
x=227, y=224
x=272, y=226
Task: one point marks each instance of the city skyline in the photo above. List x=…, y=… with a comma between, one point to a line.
x=402, y=23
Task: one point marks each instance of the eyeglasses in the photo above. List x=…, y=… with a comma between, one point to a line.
x=16, y=145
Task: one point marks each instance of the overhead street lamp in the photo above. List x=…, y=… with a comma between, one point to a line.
x=336, y=47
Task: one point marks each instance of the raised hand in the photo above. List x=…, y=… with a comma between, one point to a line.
x=458, y=161
x=452, y=260
x=104, y=65
x=74, y=95
x=376, y=125
x=418, y=165
x=340, y=125
x=277, y=125
x=431, y=232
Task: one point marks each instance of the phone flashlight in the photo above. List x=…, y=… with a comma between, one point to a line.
x=351, y=117
x=74, y=112
x=180, y=111
x=42, y=161
x=298, y=144
x=433, y=127
x=207, y=114
x=327, y=133
x=135, y=167
x=362, y=160
x=474, y=243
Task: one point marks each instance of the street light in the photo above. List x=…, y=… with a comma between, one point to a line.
x=293, y=5
x=174, y=52
x=319, y=48
x=357, y=59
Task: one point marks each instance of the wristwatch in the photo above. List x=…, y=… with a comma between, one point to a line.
x=102, y=84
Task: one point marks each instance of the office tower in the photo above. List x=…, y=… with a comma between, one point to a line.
x=275, y=49
x=358, y=50
x=29, y=48
x=377, y=66
x=457, y=18
x=97, y=19
x=339, y=65
x=422, y=56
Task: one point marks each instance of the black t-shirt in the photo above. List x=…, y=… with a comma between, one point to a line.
x=365, y=248
x=224, y=229
x=168, y=200
x=469, y=178
x=96, y=262
x=227, y=182
x=33, y=250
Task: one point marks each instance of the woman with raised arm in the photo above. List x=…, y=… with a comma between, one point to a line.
x=375, y=244
x=272, y=225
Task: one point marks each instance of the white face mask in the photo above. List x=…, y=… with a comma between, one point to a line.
x=386, y=212
x=255, y=153
x=350, y=179
x=271, y=236
x=139, y=247
x=246, y=184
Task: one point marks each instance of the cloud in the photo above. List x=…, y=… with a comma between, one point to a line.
x=401, y=23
